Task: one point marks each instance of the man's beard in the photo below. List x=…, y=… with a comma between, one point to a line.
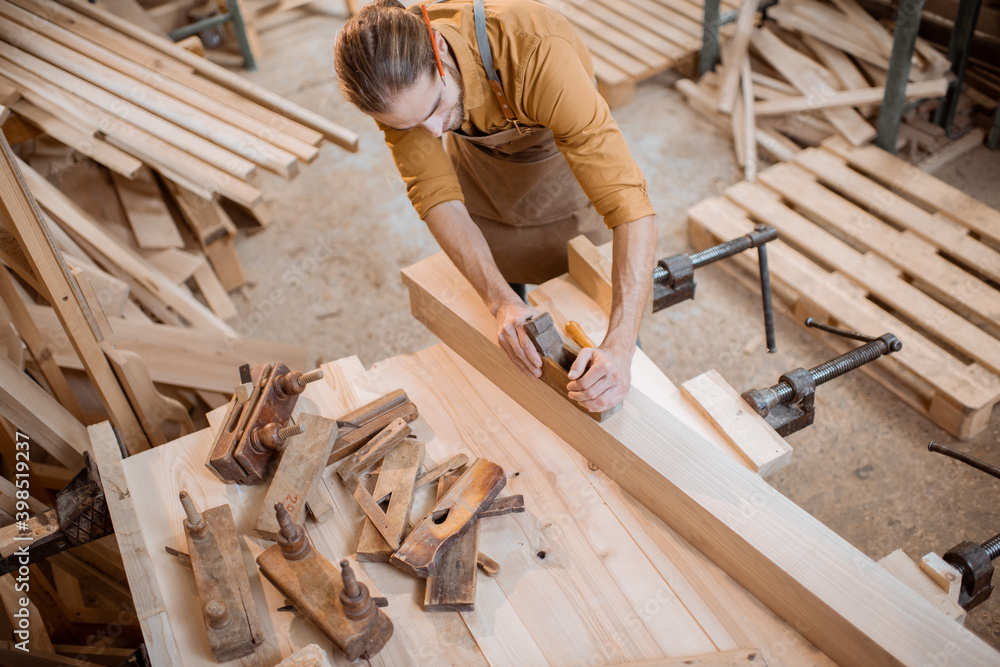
x=458, y=111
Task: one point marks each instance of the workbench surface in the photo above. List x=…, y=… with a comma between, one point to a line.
x=588, y=575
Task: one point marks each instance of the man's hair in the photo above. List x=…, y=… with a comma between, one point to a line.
x=381, y=52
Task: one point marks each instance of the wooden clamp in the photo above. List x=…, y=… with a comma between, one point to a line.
x=397, y=479
x=335, y=601
x=557, y=359
x=231, y=618
x=418, y=555
x=359, y=426
x=246, y=443
x=299, y=473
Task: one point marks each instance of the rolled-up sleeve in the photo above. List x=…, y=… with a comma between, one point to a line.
x=424, y=167
x=558, y=93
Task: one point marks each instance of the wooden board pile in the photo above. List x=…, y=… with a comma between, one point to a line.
x=632, y=40
x=818, y=70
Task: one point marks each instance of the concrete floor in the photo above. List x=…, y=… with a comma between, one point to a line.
x=325, y=275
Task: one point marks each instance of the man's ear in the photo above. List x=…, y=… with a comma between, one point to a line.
x=440, y=44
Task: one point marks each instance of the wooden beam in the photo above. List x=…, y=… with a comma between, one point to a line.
x=844, y=603
x=47, y=263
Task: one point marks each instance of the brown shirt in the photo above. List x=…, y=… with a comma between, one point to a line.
x=547, y=76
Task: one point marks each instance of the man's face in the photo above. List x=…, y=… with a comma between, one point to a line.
x=434, y=106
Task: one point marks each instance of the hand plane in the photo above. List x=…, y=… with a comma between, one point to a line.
x=255, y=424
x=557, y=359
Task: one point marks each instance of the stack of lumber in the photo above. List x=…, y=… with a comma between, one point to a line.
x=871, y=243
x=132, y=162
x=816, y=71
x=632, y=40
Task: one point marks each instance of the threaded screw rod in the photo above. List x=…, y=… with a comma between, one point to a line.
x=964, y=458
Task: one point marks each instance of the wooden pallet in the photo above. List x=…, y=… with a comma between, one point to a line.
x=872, y=243
x=632, y=40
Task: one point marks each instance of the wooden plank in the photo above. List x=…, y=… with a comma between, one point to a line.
x=125, y=54
x=99, y=151
x=37, y=345
x=47, y=263
x=136, y=92
x=151, y=407
x=840, y=65
x=951, y=237
x=147, y=213
x=848, y=606
x=807, y=76
x=848, y=98
x=733, y=56
x=167, y=158
x=117, y=255
x=215, y=294
x=32, y=631
x=220, y=75
x=203, y=149
x=143, y=584
x=178, y=356
x=921, y=187
x=746, y=431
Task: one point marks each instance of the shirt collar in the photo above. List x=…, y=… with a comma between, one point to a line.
x=473, y=75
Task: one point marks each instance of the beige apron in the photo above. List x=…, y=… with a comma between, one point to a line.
x=521, y=193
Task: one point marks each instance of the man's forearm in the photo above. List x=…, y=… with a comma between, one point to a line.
x=633, y=257
x=464, y=244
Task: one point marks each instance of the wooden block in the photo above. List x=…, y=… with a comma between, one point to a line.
x=299, y=473
x=418, y=555
x=396, y=478
x=147, y=213
x=221, y=577
x=907, y=571
x=763, y=449
x=214, y=292
x=944, y=574
x=453, y=586
x=591, y=268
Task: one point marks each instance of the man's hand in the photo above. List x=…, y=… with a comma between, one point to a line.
x=514, y=340
x=607, y=378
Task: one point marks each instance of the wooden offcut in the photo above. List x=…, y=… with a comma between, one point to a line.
x=397, y=478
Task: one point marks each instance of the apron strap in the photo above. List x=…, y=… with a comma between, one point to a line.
x=482, y=41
